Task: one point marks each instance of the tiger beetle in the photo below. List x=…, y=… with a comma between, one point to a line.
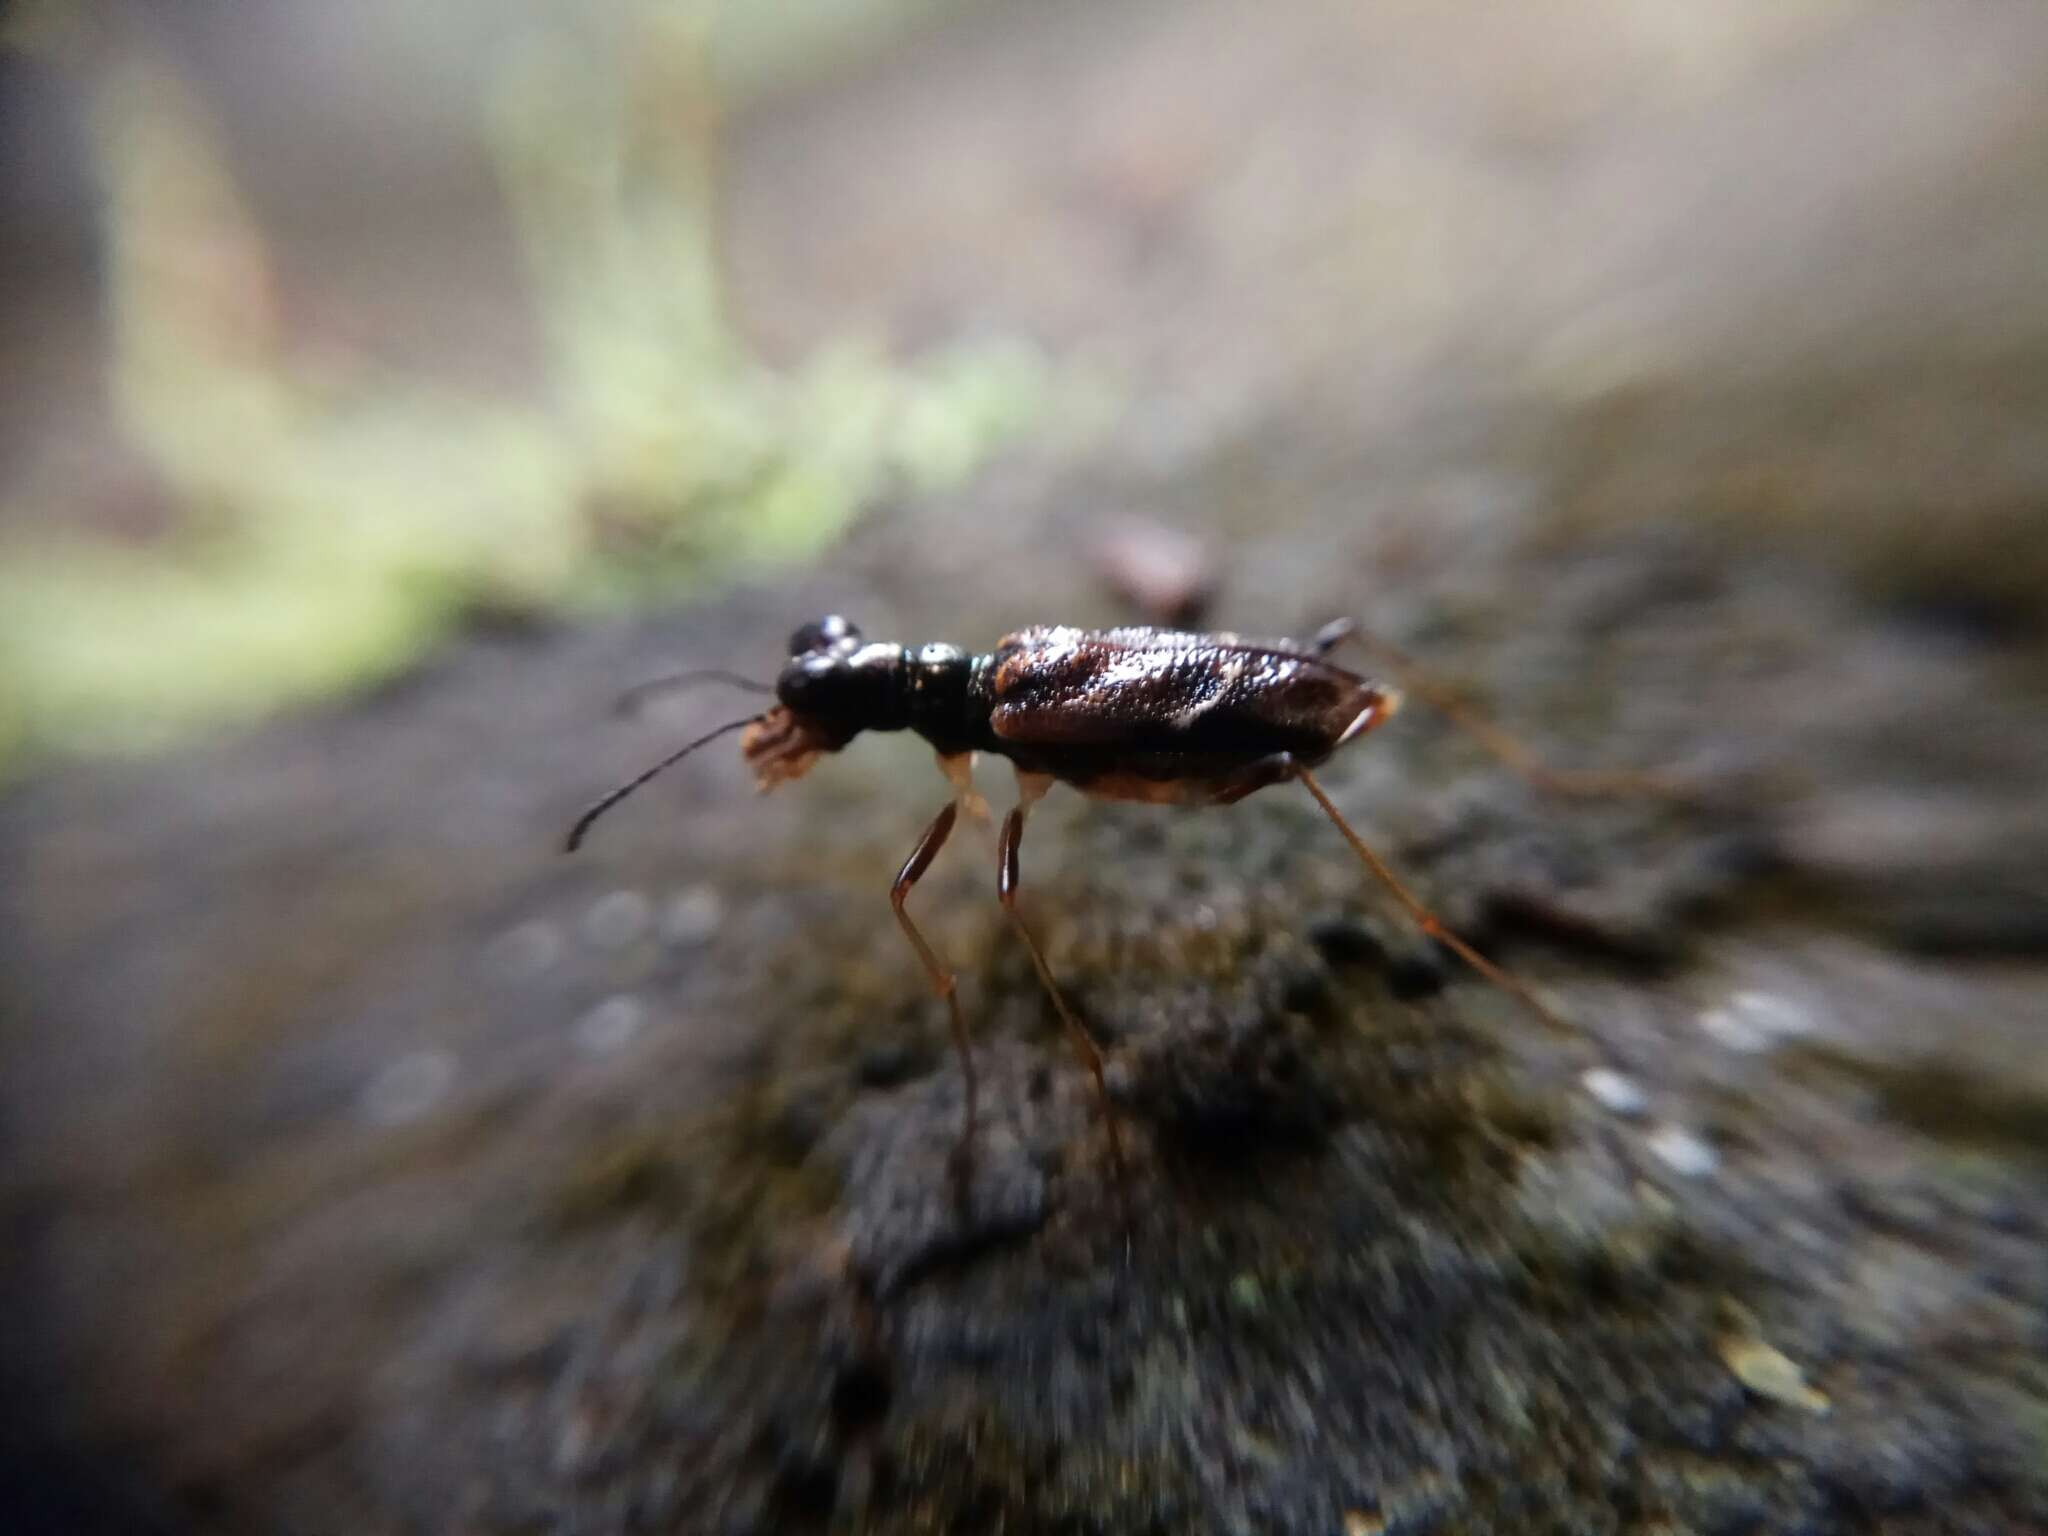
x=1164, y=717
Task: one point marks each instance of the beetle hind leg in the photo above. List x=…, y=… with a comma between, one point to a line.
x=1503, y=745
x=1430, y=923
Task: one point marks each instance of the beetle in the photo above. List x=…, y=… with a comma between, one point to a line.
x=1160, y=716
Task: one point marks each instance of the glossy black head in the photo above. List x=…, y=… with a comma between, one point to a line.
x=832, y=688
x=839, y=687
x=842, y=693
x=830, y=683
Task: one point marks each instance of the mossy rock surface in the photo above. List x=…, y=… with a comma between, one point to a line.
x=371, y=1151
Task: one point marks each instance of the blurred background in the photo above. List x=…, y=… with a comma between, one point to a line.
x=387, y=387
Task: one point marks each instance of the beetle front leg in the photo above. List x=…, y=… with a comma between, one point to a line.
x=942, y=980
x=958, y=768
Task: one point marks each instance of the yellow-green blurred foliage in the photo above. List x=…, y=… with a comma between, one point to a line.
x=332, y=521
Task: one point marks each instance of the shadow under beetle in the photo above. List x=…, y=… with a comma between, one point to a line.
x=1153, y=715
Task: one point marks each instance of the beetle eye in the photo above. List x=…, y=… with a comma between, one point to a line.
x=829, y=633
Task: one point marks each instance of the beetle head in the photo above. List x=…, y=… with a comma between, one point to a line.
x=831, y=689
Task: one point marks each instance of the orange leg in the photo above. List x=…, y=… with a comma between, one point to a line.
x=942, y=980
x=1084, y=1043
x=1428, y=921
x=1412, y=677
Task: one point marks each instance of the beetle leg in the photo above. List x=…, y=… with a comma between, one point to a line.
x=1277, y=769
x=1030, y=787
x=959, y=771
x=1412, y=676
x=942, y=979
x=1428, y=921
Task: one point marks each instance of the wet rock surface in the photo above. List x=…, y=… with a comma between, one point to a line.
x=371, y=1166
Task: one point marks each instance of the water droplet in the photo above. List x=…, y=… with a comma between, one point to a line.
x=1683, y=1151
x=1615, y=1091
x=1732, y=1030
x=1774, y=1015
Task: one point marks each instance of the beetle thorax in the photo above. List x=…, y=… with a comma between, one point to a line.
x=937, y=689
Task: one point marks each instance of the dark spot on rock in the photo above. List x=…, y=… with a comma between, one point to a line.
x=882, y=1478
x=891, y=1063
x=1284, y=1062
x=1144, y=836
x=861, y=1394
x=805, y=1490
x=1344, y=940
x=1742, y=856
x=1304, y=988
x=1419, y=972
x=1123, y=1382
x=1995, y=918
x=1212, y=1107
x=1965, y=617
x=797, y=1124
x=1613, y=926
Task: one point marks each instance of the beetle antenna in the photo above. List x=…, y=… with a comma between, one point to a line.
x=630, y=701
x=575, y=839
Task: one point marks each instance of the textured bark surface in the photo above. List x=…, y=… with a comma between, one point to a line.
x=370, y=1166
